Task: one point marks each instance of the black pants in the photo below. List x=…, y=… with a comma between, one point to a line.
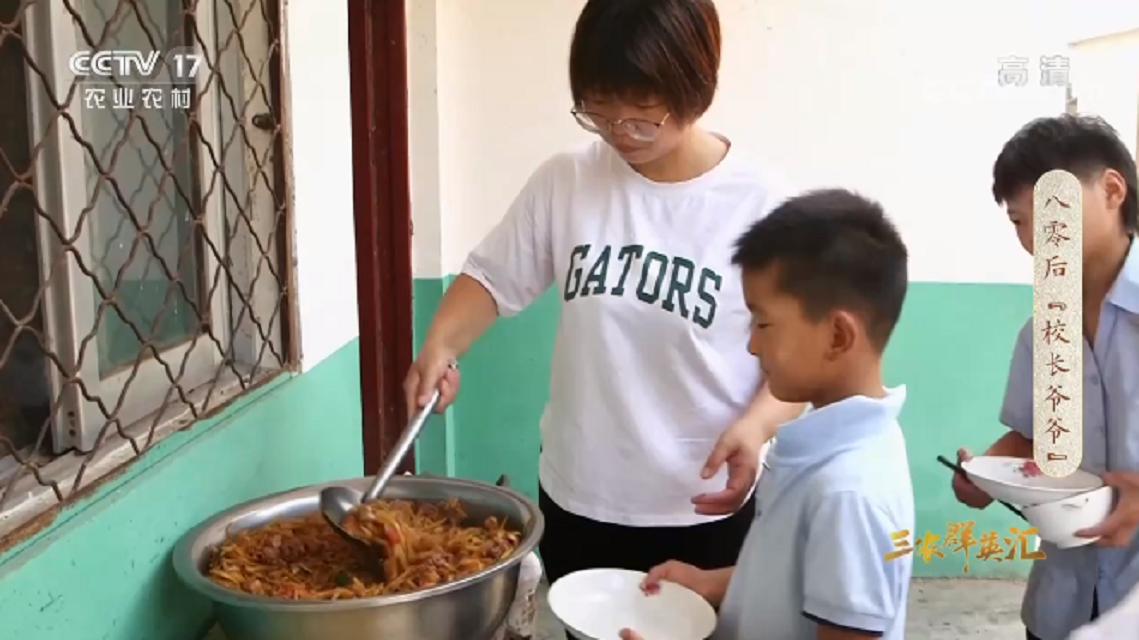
x=573, y=543
x=1095, y=614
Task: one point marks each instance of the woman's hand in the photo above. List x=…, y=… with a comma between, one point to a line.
x=433, y=368
x=739, y=447
x=466, y=311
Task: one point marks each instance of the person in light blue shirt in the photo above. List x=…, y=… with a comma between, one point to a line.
x=824, y=276
x=1070, y=587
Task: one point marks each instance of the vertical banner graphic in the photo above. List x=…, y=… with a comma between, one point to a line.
x=1058, y=324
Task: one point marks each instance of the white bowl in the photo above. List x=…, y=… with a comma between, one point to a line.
x=1057, y=522
x=596, y=604
x=1001, y=478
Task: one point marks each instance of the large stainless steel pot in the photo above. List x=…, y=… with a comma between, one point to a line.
x=472, y=608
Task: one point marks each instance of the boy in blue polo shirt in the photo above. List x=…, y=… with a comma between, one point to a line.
x=1072, y=586
x=824, y=276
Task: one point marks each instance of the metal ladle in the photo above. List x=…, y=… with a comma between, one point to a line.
x=337, y=502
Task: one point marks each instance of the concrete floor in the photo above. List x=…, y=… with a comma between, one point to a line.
x=955, y=608
x=949, y=609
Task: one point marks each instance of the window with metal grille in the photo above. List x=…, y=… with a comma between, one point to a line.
x=142, y=230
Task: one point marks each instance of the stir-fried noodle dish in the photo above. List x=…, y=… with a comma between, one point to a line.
x=422, y=545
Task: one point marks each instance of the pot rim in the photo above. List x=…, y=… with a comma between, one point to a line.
x=188, y=571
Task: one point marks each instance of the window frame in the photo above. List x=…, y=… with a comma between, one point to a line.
x=250, y=311
x=138, y=389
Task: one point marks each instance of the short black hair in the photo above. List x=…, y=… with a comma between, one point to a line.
x=636, y=49
x=1080, y=144
x=833, y=248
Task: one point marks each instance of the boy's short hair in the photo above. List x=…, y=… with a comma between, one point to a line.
x=1080, y=144
x=635, y=49
x=833, y=248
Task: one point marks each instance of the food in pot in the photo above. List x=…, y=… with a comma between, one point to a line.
x=1029, y=470
x=423, y=545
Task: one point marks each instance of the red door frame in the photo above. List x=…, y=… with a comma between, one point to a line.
x=377, y=51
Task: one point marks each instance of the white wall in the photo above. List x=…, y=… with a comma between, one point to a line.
x=896, y=98
x=1109, y=81
x=321, y=128
x=424, y=150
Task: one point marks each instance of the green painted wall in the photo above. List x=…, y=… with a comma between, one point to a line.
x=102, y=571
x=435, y=450
x=951, y=350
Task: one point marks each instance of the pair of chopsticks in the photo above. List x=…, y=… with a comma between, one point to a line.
x=957, y=468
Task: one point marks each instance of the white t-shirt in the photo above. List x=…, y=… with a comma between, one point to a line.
x=650, y=363
x=836, y=492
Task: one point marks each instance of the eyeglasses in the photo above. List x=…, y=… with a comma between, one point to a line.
x=638, y=129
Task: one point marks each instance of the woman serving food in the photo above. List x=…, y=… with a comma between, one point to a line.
x=652, y=391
